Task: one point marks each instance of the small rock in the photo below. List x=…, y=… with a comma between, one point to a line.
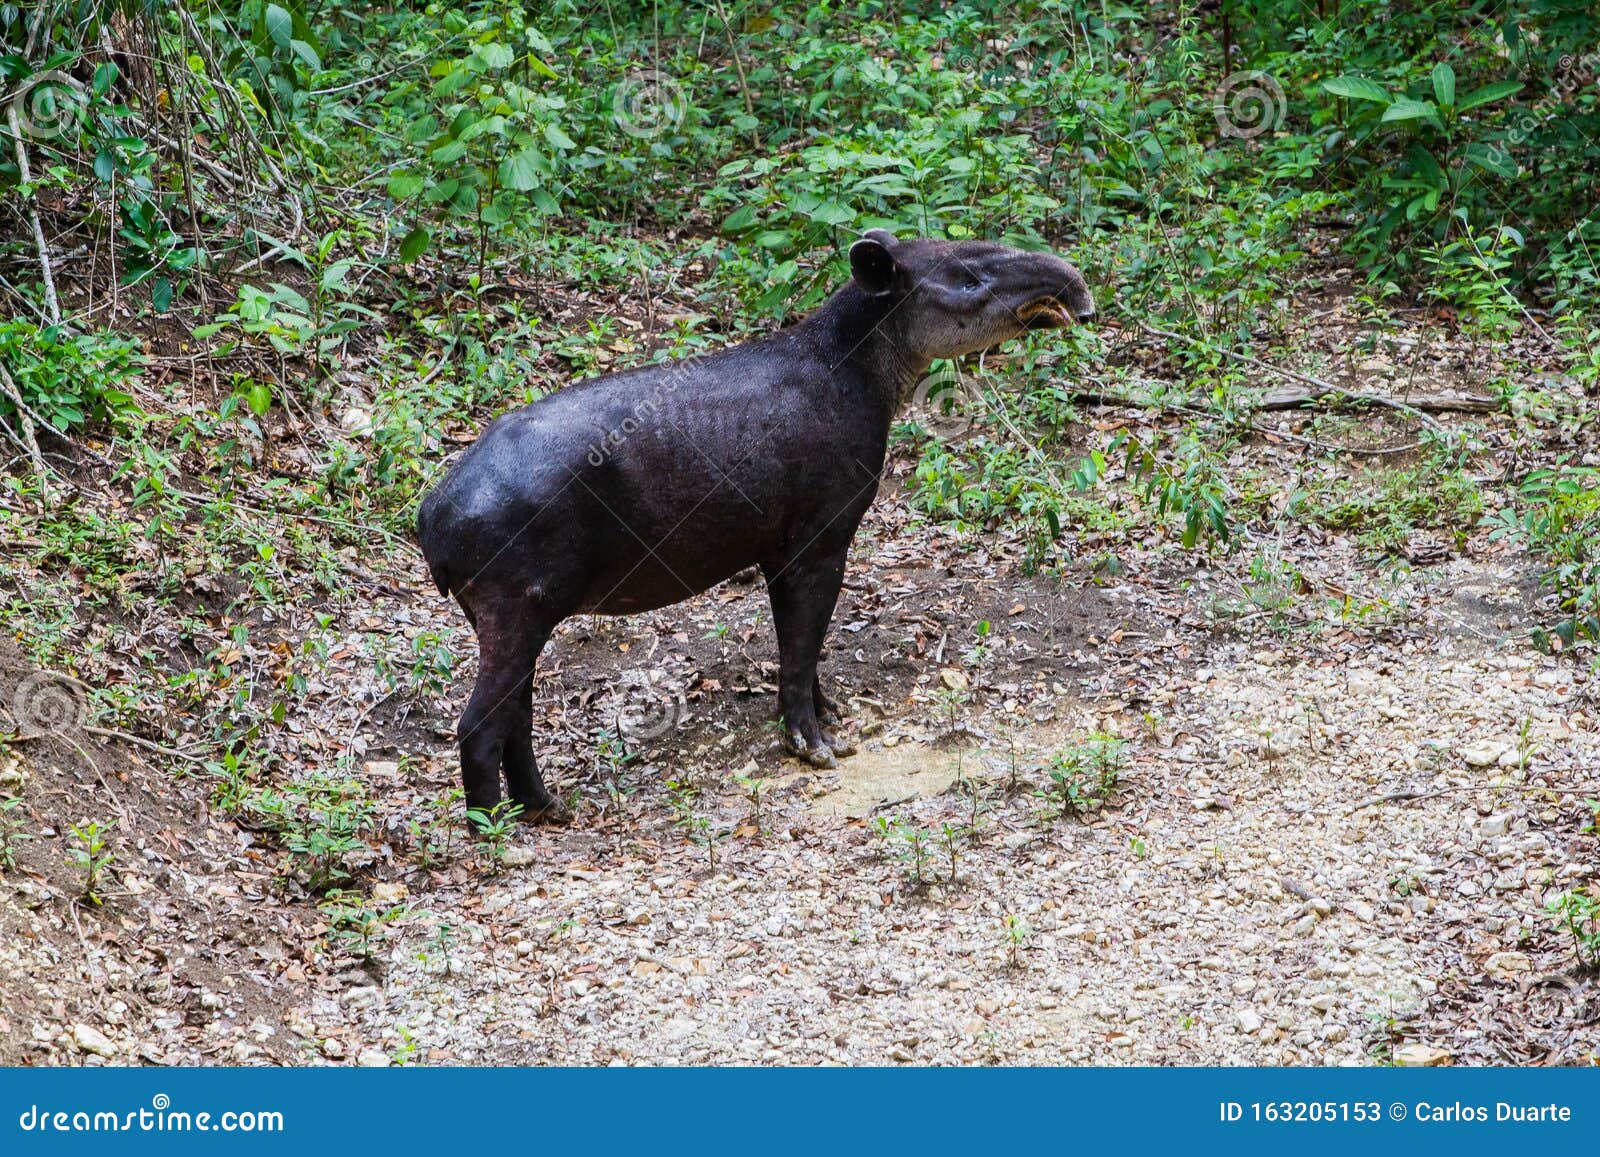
x=1508, y=965
x=1320, y=906
x=389, y=892
x=333, y=1049
x=1419, y=1056
x=1248, y=1020
x=1482, y=754
x=953, y=679
x=355, y=420
x=1494, y=826
x=92, y=1040
x=372, y=1059
x=517, y=857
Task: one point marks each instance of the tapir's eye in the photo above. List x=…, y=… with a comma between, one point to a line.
x=970, y=282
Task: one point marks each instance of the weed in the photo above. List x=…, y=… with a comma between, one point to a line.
x=495, y=828
x=356, y=923
x=11, y=830
x=92, y=855
x=1016, y=933
x=1578, y=914
x=1084, y=776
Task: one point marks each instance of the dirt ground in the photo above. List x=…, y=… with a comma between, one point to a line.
x=1332, y=844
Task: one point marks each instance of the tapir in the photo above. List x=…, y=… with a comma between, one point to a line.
x=638, y=489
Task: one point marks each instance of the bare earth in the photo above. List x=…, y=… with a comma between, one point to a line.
x=1332, y=845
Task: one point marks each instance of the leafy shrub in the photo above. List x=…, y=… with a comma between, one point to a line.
x=68, y=380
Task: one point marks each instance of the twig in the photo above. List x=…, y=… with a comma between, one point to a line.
x=1325, y=390
x=1401, y=796
x=29, y=442
x=51, y=302
x=173, y=752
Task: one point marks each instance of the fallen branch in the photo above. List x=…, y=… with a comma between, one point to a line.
x=123, y=736
x=1326, y=391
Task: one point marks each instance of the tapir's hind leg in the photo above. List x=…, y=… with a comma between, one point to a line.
x=496, y=728
x=522, y=772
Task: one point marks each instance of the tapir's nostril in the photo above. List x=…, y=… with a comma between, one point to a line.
x=1086, y=314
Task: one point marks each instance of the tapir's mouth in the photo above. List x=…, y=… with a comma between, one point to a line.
x=1045, y=313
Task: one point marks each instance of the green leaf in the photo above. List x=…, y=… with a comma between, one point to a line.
x=403, y=185
x=1406, y=109
x=103, y=76
x=105, y=164
x=1427, y=168
x=161, y=294
x=520, y=171
x=740, y=220
x=559, y=139
x=258, y=396
x=413, y=245
x=308, y=55
x=280, y=25
x=1357, y=88
x=1495, y=90
x=1444, y=84
x=1491, y=159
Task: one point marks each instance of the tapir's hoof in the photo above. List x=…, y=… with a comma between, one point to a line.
x=554, y=812
x=817, y=754
x=840, y=745
x=821, y=756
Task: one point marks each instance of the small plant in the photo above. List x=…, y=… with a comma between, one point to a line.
x=434, y=835
x=11, y=833
x=356, y=923
x=1578, y=914
x=438, y=948
x=1017, y=932
x=495, y=827
x=909, y=844
x=92, y=855
x=951, y=836
x=697, y=827
x=322, y=821
x=755, y=790
x=1083, y=776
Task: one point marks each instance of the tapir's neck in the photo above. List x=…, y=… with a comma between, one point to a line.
x=854, y=329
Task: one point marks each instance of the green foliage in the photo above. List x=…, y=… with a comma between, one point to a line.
x=357, y=923
x=68, y=379
x=91, y=855
x=1559, y=520
x=11, y=830
x=495, y=828
x=1083, y=776
x=321, y=820
x=1577, y=913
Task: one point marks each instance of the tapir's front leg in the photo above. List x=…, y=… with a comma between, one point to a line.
x=803, y=593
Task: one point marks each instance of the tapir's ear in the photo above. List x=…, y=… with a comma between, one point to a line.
x=872, y=261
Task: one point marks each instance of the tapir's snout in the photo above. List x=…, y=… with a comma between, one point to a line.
x=1065, y=296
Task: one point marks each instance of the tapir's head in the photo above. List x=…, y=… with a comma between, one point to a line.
x=956, y=297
